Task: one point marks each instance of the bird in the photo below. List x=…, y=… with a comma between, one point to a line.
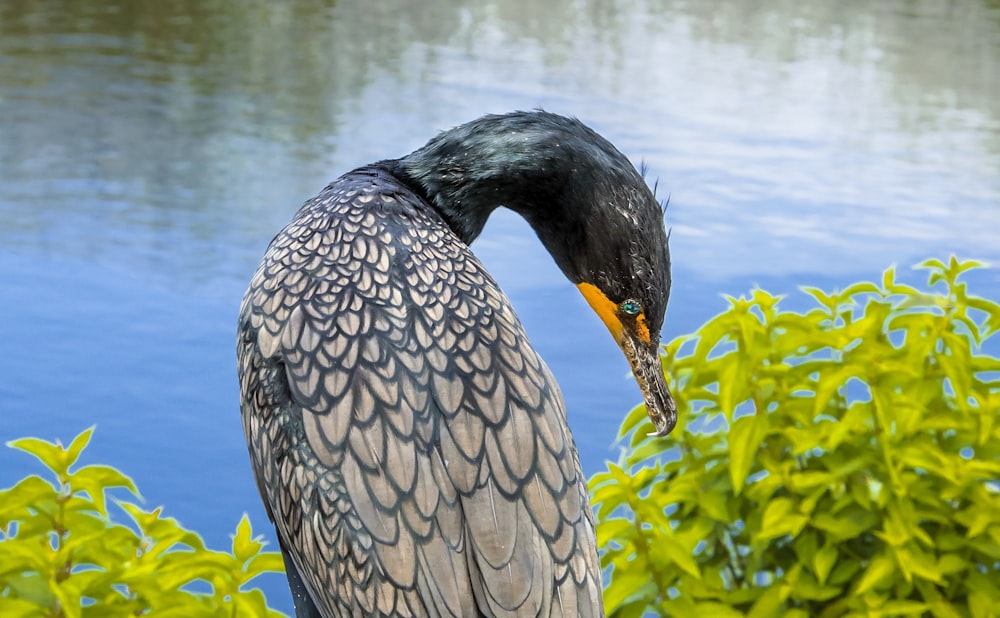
x=409, y=445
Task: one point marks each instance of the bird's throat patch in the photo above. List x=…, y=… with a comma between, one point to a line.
x=604, y=308
x=641, y=329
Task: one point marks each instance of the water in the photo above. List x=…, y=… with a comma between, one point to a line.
x=149, y=151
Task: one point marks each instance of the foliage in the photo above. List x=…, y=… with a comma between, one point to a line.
x=62, y=555
x=844, y=461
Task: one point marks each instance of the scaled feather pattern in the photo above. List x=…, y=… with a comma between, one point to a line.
x=409, y=444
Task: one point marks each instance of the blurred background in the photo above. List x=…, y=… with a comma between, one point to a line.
x=149, y=150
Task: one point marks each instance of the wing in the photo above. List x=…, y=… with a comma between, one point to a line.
x=411, y=446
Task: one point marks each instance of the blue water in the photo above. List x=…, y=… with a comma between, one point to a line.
x=148, y=155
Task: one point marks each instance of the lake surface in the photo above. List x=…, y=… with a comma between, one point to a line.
x=150, y=150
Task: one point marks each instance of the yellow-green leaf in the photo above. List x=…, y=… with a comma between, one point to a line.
x=823, y=562
x=744, y=441
x=878, y=570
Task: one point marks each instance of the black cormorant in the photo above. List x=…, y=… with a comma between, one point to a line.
x=408, y=443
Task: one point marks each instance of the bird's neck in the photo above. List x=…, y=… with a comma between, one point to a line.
x=464, y=211
x=466, y=175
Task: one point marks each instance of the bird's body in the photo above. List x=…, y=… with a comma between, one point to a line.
x=409, y=444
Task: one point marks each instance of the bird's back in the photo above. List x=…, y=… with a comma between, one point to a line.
x=410, y=445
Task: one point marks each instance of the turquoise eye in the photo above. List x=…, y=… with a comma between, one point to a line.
x=631, y=307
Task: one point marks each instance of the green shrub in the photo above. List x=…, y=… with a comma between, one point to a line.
x=844, y=461
x=62, y=555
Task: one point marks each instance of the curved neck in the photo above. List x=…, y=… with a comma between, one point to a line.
x=581, y=196
x=462, y=207
x=532, y=165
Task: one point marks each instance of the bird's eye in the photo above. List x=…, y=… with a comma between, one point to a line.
x=631, y=307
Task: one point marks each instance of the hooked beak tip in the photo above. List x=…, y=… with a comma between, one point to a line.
x=664, y=423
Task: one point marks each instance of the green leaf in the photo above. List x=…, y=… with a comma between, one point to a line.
x=677, y=554
x=717, y=610
x=861, y=287
x=75, y=447
x=780, y=519
x=50, y=454
x=903, y=608
x=31, y=586
x=615, y=528
x=251, y=603
x=19, y=608
x=913, y=561
x=769, y=603
x=734, y=381
x=949, y=564
x=880, y=568
x=956, y=366
x=848, y=524
x=808, y=589
x=624, y=586
x=745, y=438
x=803, y=482
x=680, y=607
x=264, y=562
x=164, y=532
x=984, y=591
x=939, y=606
x=29, y=491
x=824, y=299
x=95, y=479
x=714, y=504
x=933, y=264
x=991, y=310
x=823, y=561
x=70, y=604
x=831, y=382
x=245, y=546
x=888, y=278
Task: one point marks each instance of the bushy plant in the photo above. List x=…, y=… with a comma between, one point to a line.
x=63, y=555
x=838, y=462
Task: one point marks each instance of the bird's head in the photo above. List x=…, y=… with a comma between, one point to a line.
x=619, y=259
x=623, y=271
x=589, y=206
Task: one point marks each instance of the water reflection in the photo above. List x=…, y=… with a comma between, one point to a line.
x=149, y=150
x=868, y=132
